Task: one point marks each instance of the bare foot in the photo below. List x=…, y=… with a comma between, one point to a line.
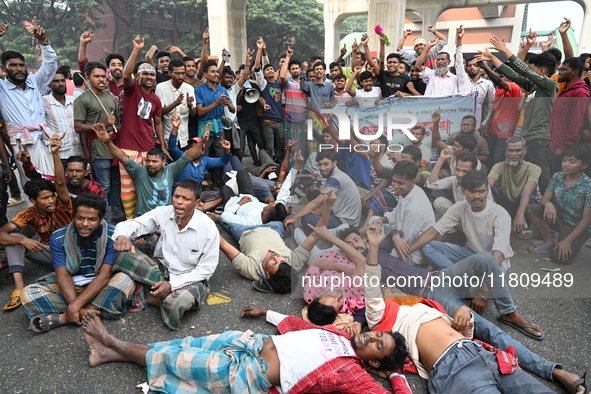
x=568, y=379
x=92, y=325
x=97, y=350
x=214, y=216
x=515, y=317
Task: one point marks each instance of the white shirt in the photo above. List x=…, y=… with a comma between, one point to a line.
x=451, y=183
x=439, y=86
x=248, y=214
x=60, y=119
x=168, y=94
x=367, y=99
x=191, y=254
x=412, y=216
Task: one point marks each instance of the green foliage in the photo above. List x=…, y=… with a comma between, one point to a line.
x=278, y=21
x=64, y=21
x=354, y=24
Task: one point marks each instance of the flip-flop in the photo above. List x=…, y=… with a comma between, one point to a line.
x=540, y=249
x=522, y=327
x=15, y=294
x=580, y=382
x=48, y=324
x=525, y=234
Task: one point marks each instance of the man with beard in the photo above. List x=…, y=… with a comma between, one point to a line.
x=48, y=213
x=154, y=180
x=391, y=81
x=568, y=113
x=176, y=277
x=83, y=254
x=419, y=45
x=114, y=63
x=21, y=101
x=93, y=106
x=59, y=116
x=191, y=72
x=142, y=115
x=347, y=208
x=440, y=352
x=248, y=362
x=440, y=82
x=469, y=80
x=178, y=97
x=513, y=184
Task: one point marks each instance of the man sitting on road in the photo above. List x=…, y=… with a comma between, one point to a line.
x=83, y=257
x=176, y=277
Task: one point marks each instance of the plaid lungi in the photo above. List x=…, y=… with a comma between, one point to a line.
x=223, y=363
x=45, y=298
x=148, y=271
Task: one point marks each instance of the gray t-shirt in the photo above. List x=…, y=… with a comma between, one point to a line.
x=347, y=207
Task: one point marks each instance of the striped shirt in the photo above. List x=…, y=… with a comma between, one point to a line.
x=60, y=119
x=88, y=261
x=47, y=225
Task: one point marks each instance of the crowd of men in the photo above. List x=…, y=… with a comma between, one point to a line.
x=130, y=165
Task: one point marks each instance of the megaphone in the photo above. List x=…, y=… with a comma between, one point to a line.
x=252, y=95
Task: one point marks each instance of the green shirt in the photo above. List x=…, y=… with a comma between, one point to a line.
x=88, y=110
x=538, y=104
x=154, y=191
x=512, y=184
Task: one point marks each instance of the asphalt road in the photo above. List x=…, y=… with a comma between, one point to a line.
x=57, y=361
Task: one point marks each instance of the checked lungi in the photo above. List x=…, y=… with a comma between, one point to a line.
x=223, y=363
x=128, y=194
x=45, y=298
x=148, y=271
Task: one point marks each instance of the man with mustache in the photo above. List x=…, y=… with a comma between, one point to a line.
x=440, y=81
x=59, y=115
x=114, y=62
x=245, y=362
x=83, y=254
x=48, y=213
x=513, y=182
x=21, y=99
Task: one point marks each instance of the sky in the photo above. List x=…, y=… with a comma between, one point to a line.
x=547, y=16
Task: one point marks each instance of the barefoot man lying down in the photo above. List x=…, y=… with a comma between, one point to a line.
x=245, y=362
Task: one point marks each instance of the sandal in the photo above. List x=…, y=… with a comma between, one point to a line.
x=540, y=249
x=14, y=201
x=525, y=234
x=48, y=324
x=581, y=382
x=13, y=300
x=522, y=328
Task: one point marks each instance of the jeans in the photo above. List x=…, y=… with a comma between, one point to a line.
x=444, y=255
x=108, y=177
x=273, y=134
x=334, y=224
x=236, y=229
x=255, y=138
x=496, y=147
x=538, y=153
x=467, y=367
x=451, y=297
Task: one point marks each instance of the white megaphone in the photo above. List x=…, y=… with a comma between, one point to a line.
x=252, y=95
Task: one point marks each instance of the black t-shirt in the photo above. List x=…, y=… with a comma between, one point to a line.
x=420, y=86
x=391, y=84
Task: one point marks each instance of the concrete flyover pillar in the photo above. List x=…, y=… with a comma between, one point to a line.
x=585, y=38
x=390, y=15
x=227, y=27
x=429, y=16
x=335, y=12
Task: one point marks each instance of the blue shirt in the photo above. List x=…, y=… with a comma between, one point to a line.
x=272, y=93
x=23, y=107
x=319, y=93
x=192, y=171
x=205, y=95
x=88, y=262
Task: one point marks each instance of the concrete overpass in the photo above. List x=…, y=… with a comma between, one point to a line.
x=227, y=20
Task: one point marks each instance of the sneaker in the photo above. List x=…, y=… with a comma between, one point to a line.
x=14, y=201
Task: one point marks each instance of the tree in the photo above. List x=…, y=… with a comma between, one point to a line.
x=281, y=21
x=64, y=21
x=354, y=24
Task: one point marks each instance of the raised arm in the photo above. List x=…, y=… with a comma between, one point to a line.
x=529, y=42
x=174, y=49
x=349, y=86
x=493, y=76
x=85, y=39
x=435, y=135
x=370, y=61
x=444, y=155
x=285, y=67
x=200, y=70
x=55, y=143
x=246, y=73
x=138, y=45
x=421, y=60
x=405, y=35
x=150, y=55
x=342, y=53
x=105, y=137
x=566, y=45
x=437, y=34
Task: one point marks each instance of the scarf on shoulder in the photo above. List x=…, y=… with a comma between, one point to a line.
x=74, y=254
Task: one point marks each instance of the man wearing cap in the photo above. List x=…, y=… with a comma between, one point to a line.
x=419, y=45
x=141, y=107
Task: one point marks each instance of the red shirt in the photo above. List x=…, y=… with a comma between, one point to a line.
x=568, y=116
x=506, y=106
x=139, y=109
